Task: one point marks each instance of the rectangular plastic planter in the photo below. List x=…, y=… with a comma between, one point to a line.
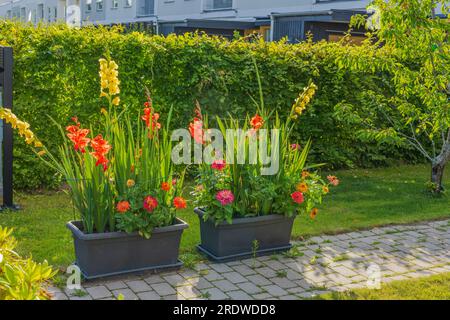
x=112, y=253
x=226, y=242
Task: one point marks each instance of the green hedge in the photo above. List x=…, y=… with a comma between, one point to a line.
x=56, y=74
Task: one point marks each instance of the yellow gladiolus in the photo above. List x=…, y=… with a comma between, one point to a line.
x=116, y=101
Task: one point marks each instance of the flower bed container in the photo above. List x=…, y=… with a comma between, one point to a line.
x=112, y=253
x=226, y=241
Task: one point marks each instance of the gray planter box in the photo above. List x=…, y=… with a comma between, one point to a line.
x=112, y=253
x=226, y=242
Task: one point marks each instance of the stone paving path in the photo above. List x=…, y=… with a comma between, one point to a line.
x=314, y=266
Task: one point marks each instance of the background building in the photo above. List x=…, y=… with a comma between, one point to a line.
x=273, y=19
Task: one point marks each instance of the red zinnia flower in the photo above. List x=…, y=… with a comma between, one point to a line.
x=218, y=164
x=257, y=122
x=297, y=196
x=179, y=203
x=123, y=206
x=225, y=197
x=165, y=186
x=150, y=203
x=101, y=148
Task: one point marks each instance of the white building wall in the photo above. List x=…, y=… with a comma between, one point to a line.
x=174, y=10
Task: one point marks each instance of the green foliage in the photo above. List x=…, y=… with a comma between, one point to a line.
x=409, y=41
x=21, y=279
x=56, y=74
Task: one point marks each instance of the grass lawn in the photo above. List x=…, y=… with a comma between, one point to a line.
x=428, y=288
x=365, y=198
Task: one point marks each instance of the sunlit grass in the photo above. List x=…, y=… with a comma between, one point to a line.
x=365, y=198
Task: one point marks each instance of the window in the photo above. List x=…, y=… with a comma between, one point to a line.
x=88, y=5
x=49, y=14
x=33, y=16
x=145, y=7
x=40, y=11
x=23, y=13
x=99, y=5
x=55, y=13
x=218, y=4
x=8, y=14
x=115, y=4
x=128, y=3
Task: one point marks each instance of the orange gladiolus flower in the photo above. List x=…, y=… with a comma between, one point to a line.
x=179, y=203
x=196, y=130
x=101, y=148
x=257, y=122
x=151, y=118
x=78, y=136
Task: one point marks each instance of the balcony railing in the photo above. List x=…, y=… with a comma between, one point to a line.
x=218, y=4
x=145, y=8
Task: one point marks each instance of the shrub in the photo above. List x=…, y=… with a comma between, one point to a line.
x=56, y=74
x=21, y=279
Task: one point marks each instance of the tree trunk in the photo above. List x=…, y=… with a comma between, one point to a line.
x=437, y=173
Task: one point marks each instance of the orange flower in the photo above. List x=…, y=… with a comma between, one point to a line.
x=196, y=130
x=130, y=183
x=101, y=148
x=325, y=189
x=305, y=174
x=333, y=180
x=150, y=203
x=148, y=116
x=179, y=203
x=123, y=206
x=313, y=213
x=78, y=136
x=165, y=186
x=302, y=187
x=257, y=122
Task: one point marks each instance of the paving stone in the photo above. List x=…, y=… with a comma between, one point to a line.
x=154, y=279
x=59, y=296
x=262, y=296
x=163, y=289
x=244, y=270
x=259, y=280
x=275, y=290
x=249, y=287
x=149, y=295
x=220, y=267
x=99, y=292
x=175, y=279
x=239, y=295
x=395, y=250
x=138, y=286
x=267, y=272
x=200, y=283
x=225, y=285
x=234, y=277
x=215, y=294
x=188, y=292
x=127, y=294
x=289, y=297
x=213, y=275
x=116, y=285
x=284, y=283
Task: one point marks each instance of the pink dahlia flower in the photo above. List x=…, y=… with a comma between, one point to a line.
x=225, y=197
